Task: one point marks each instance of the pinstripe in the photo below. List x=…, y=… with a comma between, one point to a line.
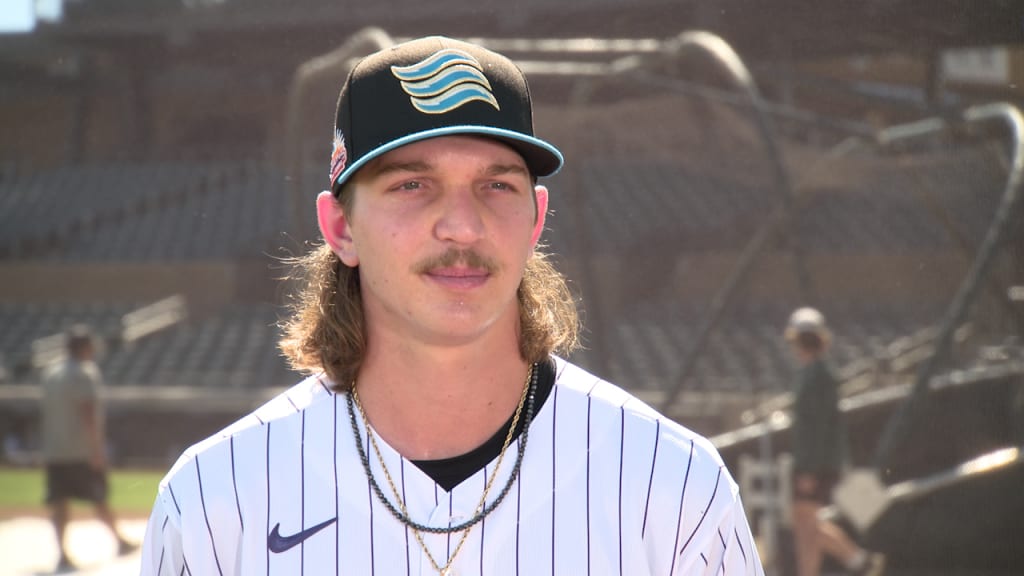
x=267, y=531
x=519, y=510
x=337, y=489
x=650, y=480
x=725, y=548
x=302, y=492
x=622, y=450
x=173, y=498
x=554, y=475
x=701, y=521
x=234, y=484
x=483, y=526
x=739, y=543
x=170, y=489
x=437, y=502
x=206, y=517
x=448, y=547
x=682, y=499
x=369, y=498
x=589, y=403
x=163, y=548
x=405, y=498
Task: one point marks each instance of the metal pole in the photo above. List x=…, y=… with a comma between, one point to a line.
x=903, y=419
x=718, y=49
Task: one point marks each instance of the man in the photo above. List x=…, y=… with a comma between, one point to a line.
x=819, y=447
x=74, y=439
x=438, y=433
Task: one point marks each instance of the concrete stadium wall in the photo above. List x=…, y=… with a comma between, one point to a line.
x=206, y=285
x=202, y=283
x=146, y=426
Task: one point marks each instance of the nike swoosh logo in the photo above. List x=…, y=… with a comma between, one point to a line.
x=279, y=544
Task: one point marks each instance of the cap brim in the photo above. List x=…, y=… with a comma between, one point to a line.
x=541, y=158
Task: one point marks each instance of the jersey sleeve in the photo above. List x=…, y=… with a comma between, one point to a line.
x=714, y=538
x=735, y=545
x=162, y=551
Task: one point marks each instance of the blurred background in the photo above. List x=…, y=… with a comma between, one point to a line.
x=727, y=162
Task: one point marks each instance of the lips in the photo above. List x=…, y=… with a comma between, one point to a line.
x=458, y=277
x=457, y=269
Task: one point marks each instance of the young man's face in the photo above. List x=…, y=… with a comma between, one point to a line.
x=441, y=231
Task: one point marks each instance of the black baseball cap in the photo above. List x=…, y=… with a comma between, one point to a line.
x=431, y=87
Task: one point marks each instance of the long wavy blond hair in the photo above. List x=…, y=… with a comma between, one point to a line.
x=327, y=332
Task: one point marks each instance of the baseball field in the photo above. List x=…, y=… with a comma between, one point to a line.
x=27, y=543
x=131, y=492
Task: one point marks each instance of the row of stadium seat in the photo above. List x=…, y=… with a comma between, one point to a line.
x=745, y=352
x=142, y=212
x=629, y=204
x=235, y=348
x=166, y=211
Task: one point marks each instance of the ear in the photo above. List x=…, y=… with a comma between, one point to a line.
x=336, y=228
x=540, y=195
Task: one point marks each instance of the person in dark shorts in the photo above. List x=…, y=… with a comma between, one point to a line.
x=819, y=447
x=73, y=439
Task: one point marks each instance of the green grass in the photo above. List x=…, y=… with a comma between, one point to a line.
x=131, y=491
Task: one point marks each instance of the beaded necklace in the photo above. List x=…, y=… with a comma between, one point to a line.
x=482, y=510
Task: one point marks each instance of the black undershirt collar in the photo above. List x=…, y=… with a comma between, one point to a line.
x=450, y=472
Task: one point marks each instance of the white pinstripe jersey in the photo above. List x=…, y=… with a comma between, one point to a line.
x=607, y=486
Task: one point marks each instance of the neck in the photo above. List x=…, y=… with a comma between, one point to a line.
x=438, y=403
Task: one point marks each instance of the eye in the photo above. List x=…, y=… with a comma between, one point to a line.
x=408, y=185
x=501, y=186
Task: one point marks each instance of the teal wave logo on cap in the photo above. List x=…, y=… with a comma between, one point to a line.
x=444, y=81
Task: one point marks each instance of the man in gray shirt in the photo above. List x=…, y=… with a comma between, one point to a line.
x=73, y=439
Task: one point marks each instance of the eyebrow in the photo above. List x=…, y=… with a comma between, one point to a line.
x=381, y=169
x=502, y=169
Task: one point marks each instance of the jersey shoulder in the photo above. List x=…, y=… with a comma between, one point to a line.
x=578, y=382
x=288, y=404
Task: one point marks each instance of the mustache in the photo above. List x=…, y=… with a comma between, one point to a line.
x=455, y=256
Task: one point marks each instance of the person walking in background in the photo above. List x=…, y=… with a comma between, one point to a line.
x=73, y=439
x=438, y=432
x=819, y=452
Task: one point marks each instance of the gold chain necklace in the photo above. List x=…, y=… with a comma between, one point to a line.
x=446, y=569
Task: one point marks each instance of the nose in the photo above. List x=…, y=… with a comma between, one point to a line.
x=461, y=219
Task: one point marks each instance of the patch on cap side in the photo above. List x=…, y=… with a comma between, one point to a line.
x=444, y=81
x=339, y=156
